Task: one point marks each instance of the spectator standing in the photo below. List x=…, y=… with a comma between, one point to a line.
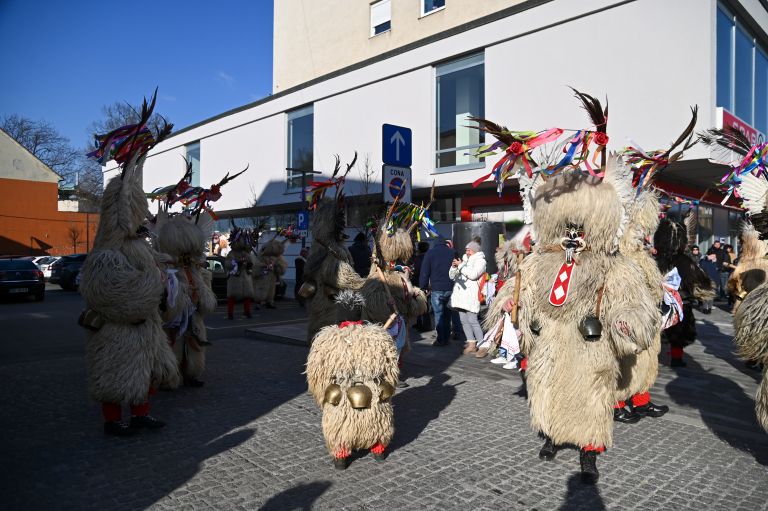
x=299, y=263
x=361, y=255
x=223, y=247
x=709, y=265
x=434, y=277
x=465, y=298
x=729, y=265
x=721, y=257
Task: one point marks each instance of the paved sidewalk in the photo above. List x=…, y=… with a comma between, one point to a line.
x=251, y=439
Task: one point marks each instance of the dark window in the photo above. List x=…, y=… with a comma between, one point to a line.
x=300, y=145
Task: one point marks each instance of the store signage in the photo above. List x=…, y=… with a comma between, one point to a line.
x=726, y=118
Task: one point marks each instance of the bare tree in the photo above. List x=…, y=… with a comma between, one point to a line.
x=369, y=203
x=43, y=140
x=74, y=235
x=120, y=114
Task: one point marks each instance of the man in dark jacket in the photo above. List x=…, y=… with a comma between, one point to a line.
x=721, y=256
x=709, y=265
x=361, y=255
x=434, y=277
x=301, y=261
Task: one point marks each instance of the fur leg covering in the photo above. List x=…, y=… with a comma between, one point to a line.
x=347, y=356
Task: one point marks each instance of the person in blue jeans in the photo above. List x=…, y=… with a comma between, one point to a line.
x=434, y=277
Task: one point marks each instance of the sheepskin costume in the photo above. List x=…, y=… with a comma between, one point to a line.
x=572, y=378
x=639, y=371
x=752, y=268
x=127, y=352
x=328, y=270
x=670, y=241
x=183, y=237
x=239, y=264
x=751, y=339
x=352, y=372
x=270, y=266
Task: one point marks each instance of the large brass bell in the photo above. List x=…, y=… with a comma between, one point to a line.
x=535, y=327
x=591, y=328
x=359, y=396
x=332, y=394
x=307, y=290
x=386, y=392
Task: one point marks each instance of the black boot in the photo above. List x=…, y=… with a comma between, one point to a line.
x=651, y=410
x=677, y=362
x=193, y=382
x=523, y=389
x=548, y=451
x=118, y=429
x=341, y=463
x=146, y=421
x=588, y=461
x=625, y=416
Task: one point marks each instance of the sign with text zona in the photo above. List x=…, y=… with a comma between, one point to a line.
x=396, y=181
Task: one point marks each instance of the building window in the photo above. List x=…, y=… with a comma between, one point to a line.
x=193, y=157
x=381, y=17
x=300, y=146
x=742, y=71
x=428, y=6
x=460, y=95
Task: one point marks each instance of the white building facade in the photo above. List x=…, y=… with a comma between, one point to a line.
x=652, y=59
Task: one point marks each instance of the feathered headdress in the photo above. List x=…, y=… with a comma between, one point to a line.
x=754, y=157
x=129, y=142
x=316, y=190
x=408, y=216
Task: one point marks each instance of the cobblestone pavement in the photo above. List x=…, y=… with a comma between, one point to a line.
x=251, y=438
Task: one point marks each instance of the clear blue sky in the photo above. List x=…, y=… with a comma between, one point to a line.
x=62, y=60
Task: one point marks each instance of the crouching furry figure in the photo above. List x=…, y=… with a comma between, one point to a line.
x=352, y=373
x=127, y=353
x=183, y=237
x=269, y=267
x=751, y=339
x=584, y=306
x=752, y=268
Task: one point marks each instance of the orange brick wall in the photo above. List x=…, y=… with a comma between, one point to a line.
x=31, y=224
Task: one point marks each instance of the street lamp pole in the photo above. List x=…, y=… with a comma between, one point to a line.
x=304, y=173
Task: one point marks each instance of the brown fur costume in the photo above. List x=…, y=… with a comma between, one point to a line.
x=753, y=265
x=328, y=269
x=639, y=371
x=269, y=267
x=355, y=353
x=572, y=382
x=182, y=238
x=239, y=283
x=121, y=281
x=751, y=339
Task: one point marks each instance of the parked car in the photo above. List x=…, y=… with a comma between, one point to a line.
x=19, y=277
x=219, y=283
x=65, y=271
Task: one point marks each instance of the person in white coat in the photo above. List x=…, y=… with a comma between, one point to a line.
x=466, y=274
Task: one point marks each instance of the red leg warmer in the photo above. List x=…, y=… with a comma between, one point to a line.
x=378, y=448
x=591, y=447
x=524, y=364
x=140, y=410
x=641, y=399
x=230, y=306
x=112, y=412
x=620, y=404
x=342, y=453
x=676, y=352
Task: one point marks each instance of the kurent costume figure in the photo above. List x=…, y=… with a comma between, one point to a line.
x=127, y=353
x=352, y=372
x=576, y=314
x=239, y=264
x=183, y=237
x=268, y=269
x=671, y=241
x=748, y=282
x=329, y=269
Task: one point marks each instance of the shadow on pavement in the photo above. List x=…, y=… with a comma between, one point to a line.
x=582, y=496
x=720, y=345
x=300, y=497
x=723, y=405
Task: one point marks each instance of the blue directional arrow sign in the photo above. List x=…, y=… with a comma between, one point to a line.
x=396, y=145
